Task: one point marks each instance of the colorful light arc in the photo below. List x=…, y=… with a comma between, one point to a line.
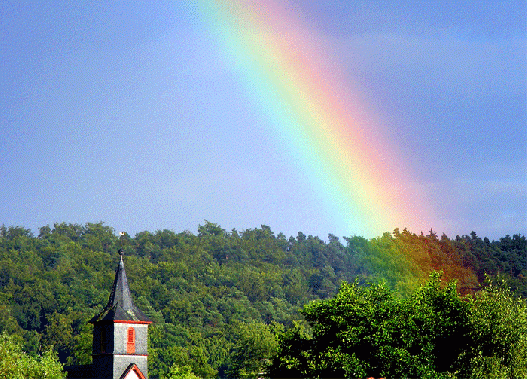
x=298, y=86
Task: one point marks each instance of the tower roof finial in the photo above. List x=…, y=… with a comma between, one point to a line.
x=121, y=244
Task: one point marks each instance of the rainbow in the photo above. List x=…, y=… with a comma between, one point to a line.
x=317, y=115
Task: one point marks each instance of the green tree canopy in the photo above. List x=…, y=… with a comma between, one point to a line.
x=366, y=331
x=16, y=364
x=254, y=345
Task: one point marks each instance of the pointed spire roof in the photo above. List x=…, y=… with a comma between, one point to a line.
x=120, y=306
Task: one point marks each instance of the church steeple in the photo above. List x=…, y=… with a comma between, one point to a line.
x=120, y=333
x=120, y=306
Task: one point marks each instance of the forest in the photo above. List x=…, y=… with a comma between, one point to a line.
x=231, y=304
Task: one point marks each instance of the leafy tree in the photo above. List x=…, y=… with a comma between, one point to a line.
x=368, y=331
x=177, y=372
x=498, y=334
x=16, y=364
x=253, y=348
x=58, y=336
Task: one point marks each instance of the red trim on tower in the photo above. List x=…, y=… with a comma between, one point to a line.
x=133, y=367
x=135, y=355
x=129, y=322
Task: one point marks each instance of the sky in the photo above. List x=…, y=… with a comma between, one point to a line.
x=341, y=117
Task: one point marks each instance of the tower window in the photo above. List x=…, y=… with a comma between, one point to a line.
x=103, y=340
x=130, y=344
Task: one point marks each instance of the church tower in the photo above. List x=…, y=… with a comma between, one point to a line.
x=120, y=334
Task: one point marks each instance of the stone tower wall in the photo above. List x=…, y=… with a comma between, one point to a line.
x=120, y=334
x=111, y=363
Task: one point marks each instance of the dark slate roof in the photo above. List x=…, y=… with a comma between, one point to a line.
x=79, y=372
x=120, y=305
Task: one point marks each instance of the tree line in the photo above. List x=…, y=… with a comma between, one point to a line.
x=221, y=300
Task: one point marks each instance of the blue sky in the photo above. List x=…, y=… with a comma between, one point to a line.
x=124, y=112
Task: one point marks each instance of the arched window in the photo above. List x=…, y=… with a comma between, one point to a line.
x=130, y=344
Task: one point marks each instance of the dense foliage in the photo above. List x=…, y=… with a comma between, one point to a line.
x=218, y=294
x=366, y=331
x=17, y=364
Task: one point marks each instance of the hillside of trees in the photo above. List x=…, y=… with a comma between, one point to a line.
x=219, y=298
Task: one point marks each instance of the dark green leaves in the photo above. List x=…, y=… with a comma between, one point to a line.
x=368, y=331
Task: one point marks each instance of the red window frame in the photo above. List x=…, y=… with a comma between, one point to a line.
x=130, y=343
